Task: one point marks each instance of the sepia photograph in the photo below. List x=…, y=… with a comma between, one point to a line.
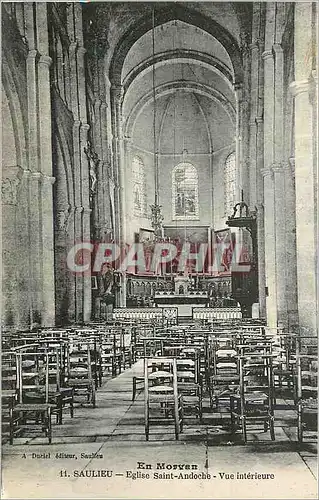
x=159, y=245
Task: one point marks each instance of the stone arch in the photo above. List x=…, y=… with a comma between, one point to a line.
x=169, y=88
x=164, y=15
x=179, y=55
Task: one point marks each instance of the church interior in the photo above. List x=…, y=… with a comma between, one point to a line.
x=159, y=246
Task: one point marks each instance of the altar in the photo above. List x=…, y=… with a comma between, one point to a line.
x=183, y=302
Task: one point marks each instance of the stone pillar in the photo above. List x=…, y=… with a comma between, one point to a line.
x=129, y=191
x=245, y=119
x=46, y=195
x=280, y=244
x=260, y=217
x=87, y=285
x=305, y=207
x=267, y=172
x=36, y=250
x=86, y=218
x=279, y=184
x=290, y=247
x=238, y=140
x=78, y=278
x=48, y=297
x=270, y=257
x=71, y=278
x=304, y=92
x=118, y=157
x=33, y=185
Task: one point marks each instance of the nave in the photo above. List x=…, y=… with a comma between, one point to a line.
x=124, y=413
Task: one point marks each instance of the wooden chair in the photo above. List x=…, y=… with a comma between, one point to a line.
x=189, y=382
x=79, y=371
x=152, y=347
x=224, y=377
x=161, y=394
x=59, y=393
x=254, y=403
x=33, y=407
x=307, y=394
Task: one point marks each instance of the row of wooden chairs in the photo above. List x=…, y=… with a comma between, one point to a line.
x=244, y=368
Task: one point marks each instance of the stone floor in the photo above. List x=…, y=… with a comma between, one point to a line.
x=114, y=432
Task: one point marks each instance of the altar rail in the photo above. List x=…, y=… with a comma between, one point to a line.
x=169, y=314
x=219, y=313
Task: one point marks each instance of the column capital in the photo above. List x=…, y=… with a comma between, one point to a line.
x=117, y=92
x=267, y=171
x=267, y=54
x=27, y=173
x=47, y=179
x=36, y=175
x=46, y=60
x=277, y=168
x=78, y=209
x=254, y=45
x=299, y=87
x=85, y=126
x=86, y=210
x=76, y=124
x=32, y=54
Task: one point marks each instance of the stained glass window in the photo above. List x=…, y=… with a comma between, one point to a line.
x=185, y=192
x=230, y=184
x=139, y=187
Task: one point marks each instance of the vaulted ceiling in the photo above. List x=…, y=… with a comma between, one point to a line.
x=192, y=75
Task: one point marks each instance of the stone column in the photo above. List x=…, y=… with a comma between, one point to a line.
x=86, y=218
x=48, y=289
x=87, y=285
x=304, y=91
x=115, y=95
x=305, y=207
x=36, y=246
x=99, y=196
x=78, y=278
x=129, y=189
x=280, y=244
x=279, y=184
x=291, y=256
x=267, y=172
x=71, y=278
x=260, y=217
x=238, y=140
x=33, y=185
x=46, y=180
x=270, y=257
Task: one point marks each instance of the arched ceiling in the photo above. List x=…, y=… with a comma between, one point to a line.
x=195, y=101
x=183, y=121
x=172, y=36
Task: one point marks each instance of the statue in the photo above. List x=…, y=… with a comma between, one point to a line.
x=94, y=162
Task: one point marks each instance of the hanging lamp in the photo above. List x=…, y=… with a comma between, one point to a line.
x=156, y=209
